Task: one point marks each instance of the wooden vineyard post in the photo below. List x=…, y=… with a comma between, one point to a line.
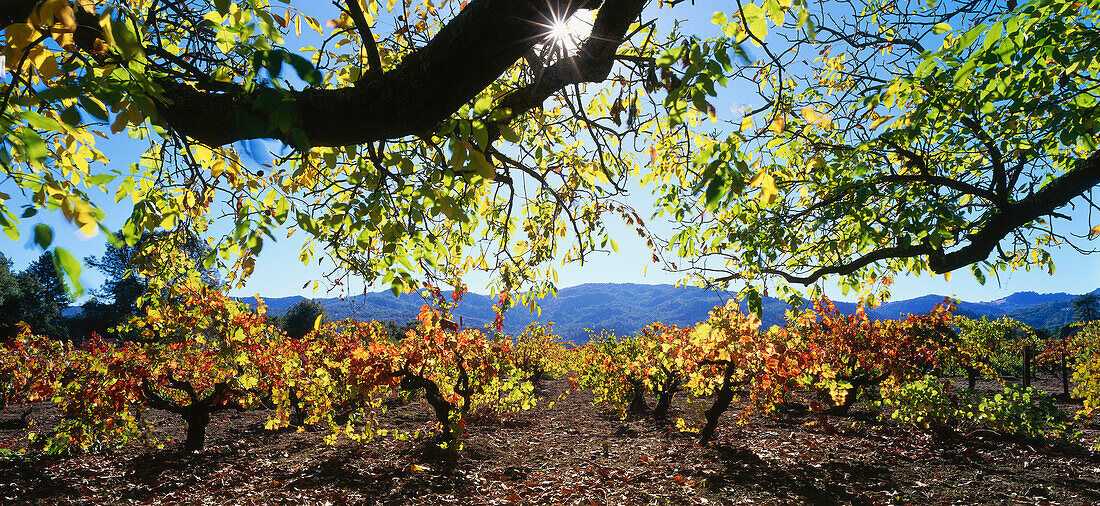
x=1065, y=376
x=1027, y=365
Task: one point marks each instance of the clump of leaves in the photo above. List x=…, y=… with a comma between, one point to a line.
x=932, y=404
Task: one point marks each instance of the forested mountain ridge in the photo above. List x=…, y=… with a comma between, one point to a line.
x=625, y=308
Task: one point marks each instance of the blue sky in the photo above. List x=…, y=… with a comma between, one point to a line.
x=280, y=273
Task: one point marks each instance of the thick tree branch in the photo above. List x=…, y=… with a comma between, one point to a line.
x=426, y=88
x=468, y=54
x=15, y=11
x=593, y=60
x=855, y=265
x=946, y=182
x=1004, y=220
x=374, y=61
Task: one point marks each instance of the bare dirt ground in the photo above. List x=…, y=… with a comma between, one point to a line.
x=559, y=456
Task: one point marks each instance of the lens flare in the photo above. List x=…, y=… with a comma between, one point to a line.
x=568, y=34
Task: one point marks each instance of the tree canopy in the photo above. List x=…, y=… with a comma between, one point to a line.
x=890, y=142
x=302, y=318
x=884, y=136
x=35, y=297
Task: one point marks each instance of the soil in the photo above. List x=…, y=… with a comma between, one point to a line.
x=572, y=453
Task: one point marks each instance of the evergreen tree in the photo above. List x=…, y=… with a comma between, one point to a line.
x=1087, y=307
x=300, y=319
x=9, y=299
x=117, y=299
x=45, y=297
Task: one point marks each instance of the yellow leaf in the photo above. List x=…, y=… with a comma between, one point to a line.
x=768, y=190
x=1094, y=232
x=90, y=229
x=779, y=123
x=947, y=276
x=810, y=115
x=84, y=217
x=746, y=123
x=64, y=14
x=820, y=120
x=18, y=37
x=64, y=39
x=879, y=120
x=217, y=168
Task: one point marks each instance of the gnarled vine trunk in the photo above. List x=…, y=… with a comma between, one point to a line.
x=721, y=404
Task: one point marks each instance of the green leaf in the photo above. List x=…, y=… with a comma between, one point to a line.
x=98, y=179
x=755, y=302
x=714, y=192
x=71, y=116
x=128, y=41
x=305, y=69
x=978, y=274
x=92, y=107
x=72, y=269
x=482, y=105
x=34, y=149
x=41, y=122
x=970, y=36
x=10, y=229
x=282, y=209
x=941, y=28
x=758, y=23
x=43, y=235
x=509, y=134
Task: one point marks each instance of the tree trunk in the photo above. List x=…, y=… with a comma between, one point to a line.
x=197, y=418
x=637, y=400
x=439, y=404
x=664, y=399
x=843, y=408
x=721, y=404
x=1027, y=366
x=972, y=377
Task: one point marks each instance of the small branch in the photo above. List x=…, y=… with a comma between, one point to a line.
x=1000, y=180
x=854, y=265
x=1006, y=219
x=374, y=62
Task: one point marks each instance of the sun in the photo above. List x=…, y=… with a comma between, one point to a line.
x=569, y=33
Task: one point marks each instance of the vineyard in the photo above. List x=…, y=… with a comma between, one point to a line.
x=210, y=402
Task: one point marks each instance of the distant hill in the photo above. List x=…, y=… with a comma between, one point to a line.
x=624, y=308
x=1046, y=315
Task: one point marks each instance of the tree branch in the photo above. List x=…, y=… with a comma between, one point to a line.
x=592, y=63
x=426, y=88
x=1004, y=220
x=850, y=267
x=374, y=62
